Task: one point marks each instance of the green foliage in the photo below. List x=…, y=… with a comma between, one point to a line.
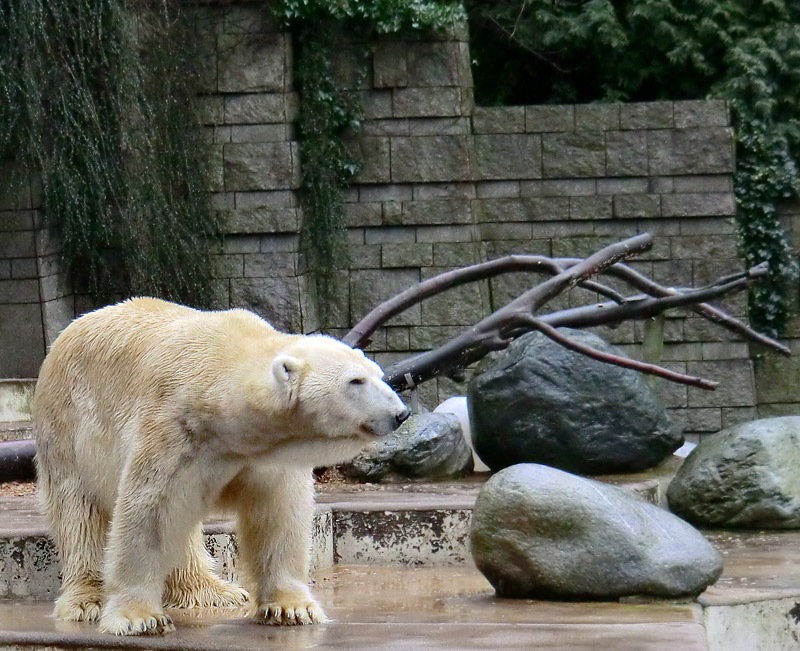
x=381, y=16
x=97, y=98
x=330, y=109
x=327, y=111
x=538, y=51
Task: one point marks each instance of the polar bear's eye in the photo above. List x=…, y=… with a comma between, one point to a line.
x=357, y=380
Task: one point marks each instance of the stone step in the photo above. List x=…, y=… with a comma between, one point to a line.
x=15, y=399
x=16, y=430
x=414, y=524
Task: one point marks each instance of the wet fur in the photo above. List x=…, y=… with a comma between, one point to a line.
x=149, y=415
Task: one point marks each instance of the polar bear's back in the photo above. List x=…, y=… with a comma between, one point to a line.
x=153, y=336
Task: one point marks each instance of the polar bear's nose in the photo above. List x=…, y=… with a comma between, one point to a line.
x=402, y=417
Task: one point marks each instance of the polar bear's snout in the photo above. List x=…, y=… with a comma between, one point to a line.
x=402, y=417
x=385, y=411
x=383, y=426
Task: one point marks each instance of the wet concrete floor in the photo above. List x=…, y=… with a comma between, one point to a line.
x=392, y=608
x=403, y=608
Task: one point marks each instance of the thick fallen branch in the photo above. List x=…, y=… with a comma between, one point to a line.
x=497, y=330
x=359, y=335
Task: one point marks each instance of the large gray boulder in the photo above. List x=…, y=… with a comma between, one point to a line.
x=537, y=402
x=542, y=533
x=745, y=476
x=426, y=446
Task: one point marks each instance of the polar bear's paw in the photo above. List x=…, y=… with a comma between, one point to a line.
x=290, y=609
x=78, y=608
x=204, y=591
x=135, y=619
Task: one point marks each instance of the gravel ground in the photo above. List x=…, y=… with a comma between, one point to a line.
x=17, y=488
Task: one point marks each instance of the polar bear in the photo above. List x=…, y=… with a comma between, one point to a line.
x=149, y=414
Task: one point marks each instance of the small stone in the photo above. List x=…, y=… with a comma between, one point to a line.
x=744, y=476
x=541, y=533
x=426, y=446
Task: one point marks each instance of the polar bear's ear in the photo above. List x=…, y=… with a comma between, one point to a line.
x=286, y=371
x=284, y=367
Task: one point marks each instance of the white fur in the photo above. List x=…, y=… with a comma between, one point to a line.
x=150, y=414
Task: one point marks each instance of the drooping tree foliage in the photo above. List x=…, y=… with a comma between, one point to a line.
x=330, y=108
x=748, y=53
x=96, y=97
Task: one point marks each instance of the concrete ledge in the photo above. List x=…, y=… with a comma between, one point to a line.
x=15, y=399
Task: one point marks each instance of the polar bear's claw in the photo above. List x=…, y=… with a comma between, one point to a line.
x=123, y=624
x=277, y=615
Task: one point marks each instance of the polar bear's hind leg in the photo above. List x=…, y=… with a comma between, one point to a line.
x=79, y=527
x=195, y=585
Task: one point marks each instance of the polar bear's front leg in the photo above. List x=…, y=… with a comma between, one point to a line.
x=157, y=506
x=276, y=509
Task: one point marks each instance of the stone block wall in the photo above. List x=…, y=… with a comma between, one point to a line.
x=562, y=181
x=778, y=378
x=446, y=184
x=35, y=295
x=249, y=110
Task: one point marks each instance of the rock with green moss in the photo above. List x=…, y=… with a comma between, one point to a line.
x=746, y=476
x=541, y=533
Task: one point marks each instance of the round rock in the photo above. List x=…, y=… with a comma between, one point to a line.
x=745, y=476
x=426, y=446
x=537, y=402
x=541, y=533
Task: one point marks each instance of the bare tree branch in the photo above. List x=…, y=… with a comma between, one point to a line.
x=645, y=284
x=359, y=335
x=497, y=330
x=490, y=333
x=505, y=325
x=644, y=307
x=624, y=362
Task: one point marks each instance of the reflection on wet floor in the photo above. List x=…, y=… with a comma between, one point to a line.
x=399, y=608
x=460, y=594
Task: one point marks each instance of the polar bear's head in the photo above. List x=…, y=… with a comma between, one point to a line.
x=335, y=390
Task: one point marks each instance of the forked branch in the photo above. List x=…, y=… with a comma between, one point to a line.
x=497, y=330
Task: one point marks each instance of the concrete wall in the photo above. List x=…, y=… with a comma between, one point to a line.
x=446, y=184
x=35, y=296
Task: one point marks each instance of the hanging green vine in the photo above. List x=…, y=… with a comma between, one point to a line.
x=327, y=112
x=748, y=53
x=329, y=109
x=97, y=98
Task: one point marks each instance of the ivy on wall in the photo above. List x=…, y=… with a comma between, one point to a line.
x=330, y=108
x=97, y=98
x=538, y=51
